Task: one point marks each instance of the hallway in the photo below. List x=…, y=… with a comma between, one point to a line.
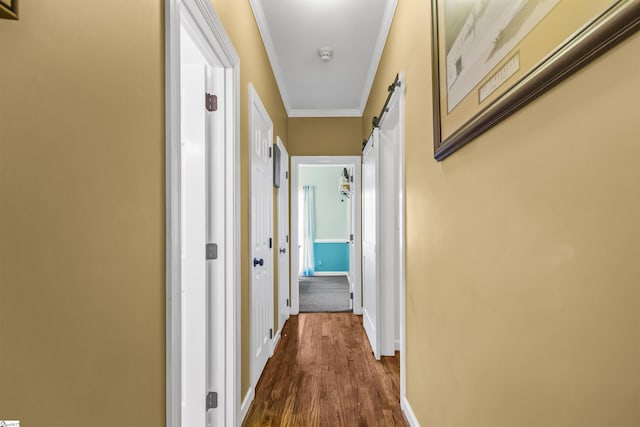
x=323, y=374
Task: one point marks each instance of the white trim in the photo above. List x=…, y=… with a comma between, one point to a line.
x=212, y=33
x=172, y=221
x=246, y=404
x=344, y=112
x=275, y=341
x=331, y=273
x=331, y=240
x=356, y=163
x=233, y=297
x=286, y=244
x=232, y=172
x=408, y=412
x=267, y=41
x=385, y=26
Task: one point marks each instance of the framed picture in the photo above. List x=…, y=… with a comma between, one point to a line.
x=276, y=166
x=491, y=57
x=9, y=9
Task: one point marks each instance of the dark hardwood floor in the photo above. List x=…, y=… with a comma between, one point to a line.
x=324, y=374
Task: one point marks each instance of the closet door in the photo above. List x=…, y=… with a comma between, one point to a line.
x=370, y=241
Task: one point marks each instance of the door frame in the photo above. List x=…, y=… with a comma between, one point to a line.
x=284, y=167
x=214, y=43
x=354, y=162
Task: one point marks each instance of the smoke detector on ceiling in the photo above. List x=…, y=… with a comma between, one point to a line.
x=325, y=53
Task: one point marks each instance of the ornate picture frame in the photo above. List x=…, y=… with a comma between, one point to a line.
x=491, y=58
x=9, y=9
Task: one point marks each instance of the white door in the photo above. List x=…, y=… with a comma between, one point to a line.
x=193, y=266
x=283, y=237
x=261, y=260
x=389, y=231
x=370, y=239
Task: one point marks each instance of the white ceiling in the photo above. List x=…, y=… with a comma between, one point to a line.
x=294, y=30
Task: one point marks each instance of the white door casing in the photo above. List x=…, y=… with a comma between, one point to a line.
x=353, y=163
x=283, y=237
x=261, y=225
x=370, y=237
x=355, y=246
x=202, y=194
x=203, y=221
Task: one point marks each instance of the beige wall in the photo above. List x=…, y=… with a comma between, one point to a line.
x=325, y=136
x=82, y=203
x=82, y=253
x=241, y=27
x=522, y=278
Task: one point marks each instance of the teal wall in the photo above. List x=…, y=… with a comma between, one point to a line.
x=331, y=256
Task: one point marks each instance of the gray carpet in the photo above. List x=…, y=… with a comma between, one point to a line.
x=324, y=294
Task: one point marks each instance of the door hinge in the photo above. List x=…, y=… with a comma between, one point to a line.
x=212, y=400
x=270, y=242
x=286, y=174
x=211, y=102
x=351, y=295
x=270, y=333
x=288, y=303
x=287, y=238
x=351, y=237
x=211, y=251
x=351, y=178
x=270, y=152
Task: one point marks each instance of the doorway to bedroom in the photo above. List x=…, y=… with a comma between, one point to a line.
x=325, y=225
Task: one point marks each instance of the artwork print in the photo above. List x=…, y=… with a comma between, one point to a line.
x=479, y=34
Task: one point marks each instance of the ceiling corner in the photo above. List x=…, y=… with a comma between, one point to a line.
x=385, y=26
x=267, y=41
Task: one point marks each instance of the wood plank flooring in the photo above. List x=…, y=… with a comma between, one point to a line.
x=324, y=374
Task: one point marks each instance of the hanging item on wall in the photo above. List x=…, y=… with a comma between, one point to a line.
x=276, y=166
x=344, y=186
x=490, y=58
x=9, y=9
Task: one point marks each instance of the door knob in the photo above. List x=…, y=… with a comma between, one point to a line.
x=283, y=250
x=257, y=261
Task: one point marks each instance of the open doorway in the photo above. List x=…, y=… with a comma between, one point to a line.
x=325, y=227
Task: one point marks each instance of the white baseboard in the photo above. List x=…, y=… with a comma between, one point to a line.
x=408, y=412
x=396, y=345
x=331, y=273
x=246, y=403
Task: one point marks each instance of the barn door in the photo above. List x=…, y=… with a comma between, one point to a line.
x=370, y=241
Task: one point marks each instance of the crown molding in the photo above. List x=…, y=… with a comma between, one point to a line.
x=261, y=20
x=385, y=26
x=349, y=112
x=258, y=13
